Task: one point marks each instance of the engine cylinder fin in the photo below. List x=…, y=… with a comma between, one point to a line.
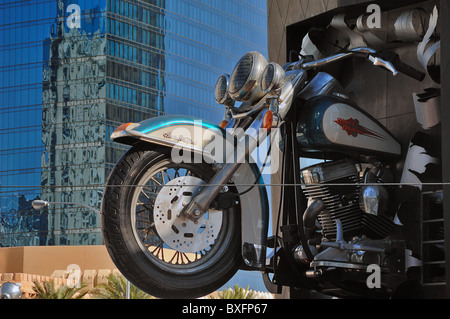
x=377, y=226
x=338, y=185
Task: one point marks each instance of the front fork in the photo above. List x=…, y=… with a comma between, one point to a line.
x=250, y=140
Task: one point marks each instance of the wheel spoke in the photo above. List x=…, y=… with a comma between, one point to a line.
x=154, y=180
x=146, y=195
x=168, y=176
x=159, y=250
x=141, y=211
x=175, y=256
x=142, y=221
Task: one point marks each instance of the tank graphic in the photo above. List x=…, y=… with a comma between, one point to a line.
x=329, y=123
x=353, y=128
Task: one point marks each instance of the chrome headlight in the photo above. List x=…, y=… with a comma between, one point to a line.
x=272, y=77
x=221, y=91
x=245, y=79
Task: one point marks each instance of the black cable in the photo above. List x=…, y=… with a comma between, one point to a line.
x=260, y=172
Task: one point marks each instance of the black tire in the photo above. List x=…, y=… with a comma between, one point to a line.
x=129, y=249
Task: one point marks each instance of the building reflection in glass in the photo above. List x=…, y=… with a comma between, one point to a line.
x=64, y=89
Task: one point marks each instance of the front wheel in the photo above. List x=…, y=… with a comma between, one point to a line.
x=152, y=245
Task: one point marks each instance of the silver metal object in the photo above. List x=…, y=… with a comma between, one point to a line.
x=342, y=245
x=325, y=61
x=385, y=64
x=272, y=77
x=315, y=178
x=338, y=264
x=373, y=199
x=180, y=233
x=294, y=82
x=334, y=58
x=10, y=290
x=300, y=255
x=221, y=90
x=343, y=254
x=244, y=112
x=245, y=79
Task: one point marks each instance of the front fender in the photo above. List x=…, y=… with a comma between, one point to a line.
x=171, y=131
x=211, y=143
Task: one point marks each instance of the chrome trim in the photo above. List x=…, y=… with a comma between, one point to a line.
x=293, y=84
x=363, y=50
x=324, y=61
x=282, y=98
x=334, y=58
x=254, y=255
x=251, y=89
x=257, y=107
x=253, y=130
x=277, y=79
x=385, y=64
x=327, y=263
x=226, y=99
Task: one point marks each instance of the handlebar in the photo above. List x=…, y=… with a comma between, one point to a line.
x=322, y=62
x=410, y=71
x=384, y=58
x=383, y=63
x=400, y=66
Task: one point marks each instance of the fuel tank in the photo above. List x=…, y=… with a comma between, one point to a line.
x=334, y=124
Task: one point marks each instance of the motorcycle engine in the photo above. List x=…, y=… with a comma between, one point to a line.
x=340, y=185
x=351, y=207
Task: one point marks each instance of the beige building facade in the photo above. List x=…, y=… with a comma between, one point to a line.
x=25, y=265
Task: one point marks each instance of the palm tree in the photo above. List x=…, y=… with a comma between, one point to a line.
x=235, y=293
x=47, y=290
x=116, y=288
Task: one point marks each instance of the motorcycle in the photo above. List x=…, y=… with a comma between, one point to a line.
x=180, y=215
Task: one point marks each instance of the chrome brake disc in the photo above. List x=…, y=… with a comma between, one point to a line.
x=178, y=232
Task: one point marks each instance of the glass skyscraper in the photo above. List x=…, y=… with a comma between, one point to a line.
x=71, y=71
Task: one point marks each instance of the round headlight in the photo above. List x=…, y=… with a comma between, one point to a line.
x=221, y=91
x=244, y=82
x=272, y=77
